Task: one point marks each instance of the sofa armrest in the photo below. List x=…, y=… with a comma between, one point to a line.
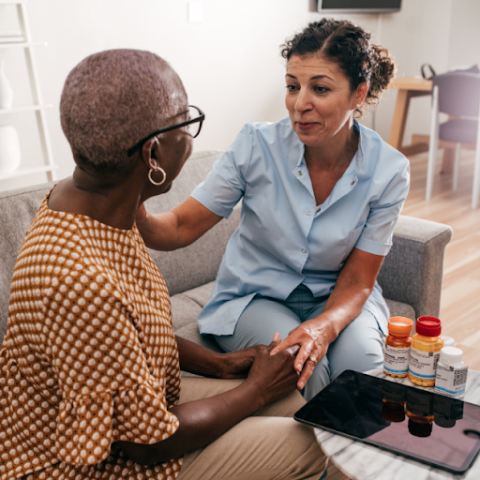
x=413, y=270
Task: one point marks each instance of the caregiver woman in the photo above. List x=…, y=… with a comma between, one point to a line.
x=321, y=197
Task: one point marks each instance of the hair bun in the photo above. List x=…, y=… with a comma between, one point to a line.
x=349, y=46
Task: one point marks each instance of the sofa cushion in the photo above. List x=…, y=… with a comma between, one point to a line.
x=200, y=295
x=399, y=309
x=17, y=209
x=184, y=311
x=190, y=332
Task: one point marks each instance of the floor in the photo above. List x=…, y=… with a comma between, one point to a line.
x=460, y=307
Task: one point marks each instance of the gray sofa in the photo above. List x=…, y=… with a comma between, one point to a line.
x=411, y=276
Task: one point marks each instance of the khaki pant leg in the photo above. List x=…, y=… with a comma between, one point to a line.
x=193, y=388
x=264, y=447
x=258, y=448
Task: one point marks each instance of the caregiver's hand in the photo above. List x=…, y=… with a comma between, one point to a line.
x=313, y=337
x=354, y=285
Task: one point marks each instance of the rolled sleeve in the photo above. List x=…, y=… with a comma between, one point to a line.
x=225, y=184
x=376, y=237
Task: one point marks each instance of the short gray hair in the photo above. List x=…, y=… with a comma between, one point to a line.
x=113, y=99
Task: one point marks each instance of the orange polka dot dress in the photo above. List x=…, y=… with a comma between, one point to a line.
x=89, y=357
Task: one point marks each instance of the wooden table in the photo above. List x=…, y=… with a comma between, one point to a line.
x=411, y=87
x=408, y=88
x=359, y=461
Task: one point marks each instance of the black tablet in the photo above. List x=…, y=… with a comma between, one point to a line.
x=426, y=426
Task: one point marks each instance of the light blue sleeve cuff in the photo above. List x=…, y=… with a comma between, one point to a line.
x=370, y=246
x=200, y=195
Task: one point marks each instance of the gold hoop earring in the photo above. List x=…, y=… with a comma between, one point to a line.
x=159, y=169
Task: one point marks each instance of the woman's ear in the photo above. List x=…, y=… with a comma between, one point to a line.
x=150, y=153
x=361, y=93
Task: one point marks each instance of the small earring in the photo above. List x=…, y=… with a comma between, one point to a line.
x=159, y=169
x=359, y=105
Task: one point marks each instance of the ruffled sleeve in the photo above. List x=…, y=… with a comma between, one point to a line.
x=102, y=362
x=88, y=424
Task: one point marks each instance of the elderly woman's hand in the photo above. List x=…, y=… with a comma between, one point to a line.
x=313, y=338
x=237, y=364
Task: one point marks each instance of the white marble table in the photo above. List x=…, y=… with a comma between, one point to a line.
x=359, y=461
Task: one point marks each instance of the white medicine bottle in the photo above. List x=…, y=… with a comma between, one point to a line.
x=451, y=375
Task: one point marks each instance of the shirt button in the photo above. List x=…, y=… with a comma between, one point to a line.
x=309, y=212
x=300, y=173
x=353, y=183
x=304, y=250
x=318, y=209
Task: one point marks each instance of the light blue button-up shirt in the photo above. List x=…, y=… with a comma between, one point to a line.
x=284, y=238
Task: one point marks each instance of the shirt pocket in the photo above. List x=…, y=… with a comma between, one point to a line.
x=353, y=237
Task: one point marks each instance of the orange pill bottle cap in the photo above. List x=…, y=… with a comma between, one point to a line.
x=400, y=325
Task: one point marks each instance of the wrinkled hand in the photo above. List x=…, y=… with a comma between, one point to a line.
x=313, y=338
x=237, y=364
x=274, y=375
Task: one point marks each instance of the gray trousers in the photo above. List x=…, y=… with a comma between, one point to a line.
x=358, y=347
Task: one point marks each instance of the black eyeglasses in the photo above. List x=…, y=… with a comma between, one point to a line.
x=195, y=125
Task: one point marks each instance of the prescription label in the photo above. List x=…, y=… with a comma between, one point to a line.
x=423, y=364
x=450, y=380
x=396, y=360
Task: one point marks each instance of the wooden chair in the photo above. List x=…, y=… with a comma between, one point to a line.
x=458, y=95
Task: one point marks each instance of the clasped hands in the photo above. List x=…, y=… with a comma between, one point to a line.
x=306, y=345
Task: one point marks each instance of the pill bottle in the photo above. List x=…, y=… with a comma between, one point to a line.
x=397, y=346
x=425, y=350
x=394, y=397
x=451, y=375
x=447, y=341
x=447, y=411
x=419, y=410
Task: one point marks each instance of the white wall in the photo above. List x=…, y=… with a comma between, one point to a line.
x=230, y=63
x=465, y=34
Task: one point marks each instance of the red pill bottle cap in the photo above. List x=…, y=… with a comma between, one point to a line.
x=428, y=326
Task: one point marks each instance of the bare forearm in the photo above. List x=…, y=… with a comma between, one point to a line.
x=160, y=231
x=177, y=228
x=203, y=421
x=352, y=289
x=344, y=305
x=199, y=360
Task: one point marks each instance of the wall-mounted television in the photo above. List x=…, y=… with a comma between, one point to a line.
x=359, y=6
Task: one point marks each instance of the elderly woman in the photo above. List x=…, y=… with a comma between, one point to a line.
x=321, y=197
x=90, y=381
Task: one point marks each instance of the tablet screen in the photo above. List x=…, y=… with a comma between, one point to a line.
x=429, y=427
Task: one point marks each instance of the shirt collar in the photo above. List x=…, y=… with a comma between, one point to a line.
x=358, y=154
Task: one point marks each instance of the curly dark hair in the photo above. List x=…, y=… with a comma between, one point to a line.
x=349, y=46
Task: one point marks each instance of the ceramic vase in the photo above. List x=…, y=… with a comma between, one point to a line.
x=6, y=92
x=9, y=149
